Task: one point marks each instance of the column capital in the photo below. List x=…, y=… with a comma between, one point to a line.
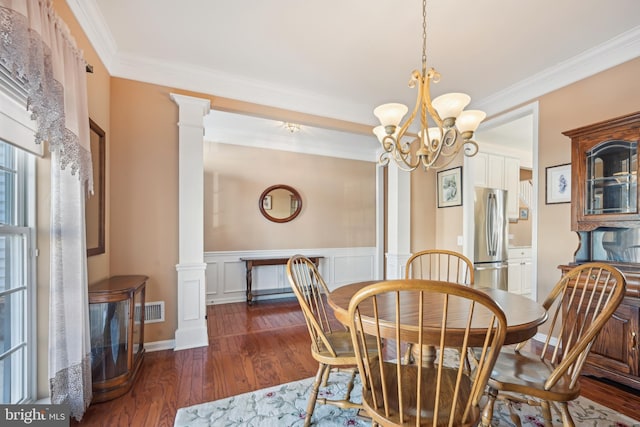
x=191, y=109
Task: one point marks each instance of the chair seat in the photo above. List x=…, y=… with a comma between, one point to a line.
x=428, y=391
x=342, y=344
x=526, y=373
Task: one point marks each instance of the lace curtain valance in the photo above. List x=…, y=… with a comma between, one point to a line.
x=38, y=50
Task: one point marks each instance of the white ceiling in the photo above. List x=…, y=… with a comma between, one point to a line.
x=341, y=58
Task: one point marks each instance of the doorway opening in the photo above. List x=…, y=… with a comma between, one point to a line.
x=514, y=135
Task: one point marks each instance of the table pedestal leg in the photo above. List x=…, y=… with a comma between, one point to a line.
x=428, y=354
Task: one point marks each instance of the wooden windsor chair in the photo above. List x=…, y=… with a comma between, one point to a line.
x=438, y=264
x=331, y=347
x=579, y=306
x=442, y=314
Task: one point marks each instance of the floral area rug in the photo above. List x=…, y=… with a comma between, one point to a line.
x=285, y=405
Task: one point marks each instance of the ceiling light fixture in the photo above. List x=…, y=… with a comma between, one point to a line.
x=292, y=127
x=451, y=127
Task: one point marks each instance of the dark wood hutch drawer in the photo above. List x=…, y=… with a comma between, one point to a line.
x=614, y=354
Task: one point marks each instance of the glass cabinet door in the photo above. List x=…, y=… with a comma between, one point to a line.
x=611, y=184
x=109, y=339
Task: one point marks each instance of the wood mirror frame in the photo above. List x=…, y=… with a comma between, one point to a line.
x=95, y=204
x=280, y=203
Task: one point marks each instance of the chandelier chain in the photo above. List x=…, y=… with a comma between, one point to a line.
x=424, y=37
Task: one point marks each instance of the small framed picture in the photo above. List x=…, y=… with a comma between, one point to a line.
x=558, y=187
x=450, y=187
x=524, y=213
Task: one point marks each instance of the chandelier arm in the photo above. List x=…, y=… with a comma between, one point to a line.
x=426, y=95
x=402, y=158
x=415, y=76
x=393, y=146
x=448, y=141
x=406, y=166
x=470, y=152
x=384, y=159
x=431, y=165
x=440, y=156
x=434, y=154
x=401, y=155
x=388, y=142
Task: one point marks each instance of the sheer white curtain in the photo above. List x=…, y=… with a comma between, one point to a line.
x=38, y=51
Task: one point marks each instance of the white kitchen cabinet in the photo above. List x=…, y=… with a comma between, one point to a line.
x=519, y=270
x=480, y=168
x=497, y=171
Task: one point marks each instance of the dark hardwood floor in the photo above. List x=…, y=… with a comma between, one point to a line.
x=249, y=348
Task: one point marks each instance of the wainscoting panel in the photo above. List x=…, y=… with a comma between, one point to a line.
x=350, y=269
x=233, y=281
x=226, y=274
x=212, y=284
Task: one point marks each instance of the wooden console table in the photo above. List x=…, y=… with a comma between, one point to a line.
x=256, y=262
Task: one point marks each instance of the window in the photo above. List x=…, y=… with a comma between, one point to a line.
x=17, y=298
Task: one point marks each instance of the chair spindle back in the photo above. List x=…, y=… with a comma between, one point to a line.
x=440, y=393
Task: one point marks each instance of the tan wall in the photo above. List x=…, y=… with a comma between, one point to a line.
x=144, y=193
x=609, y=94
x=449, y=219
x=338, y=200
x=98, y=266
x=521, y=231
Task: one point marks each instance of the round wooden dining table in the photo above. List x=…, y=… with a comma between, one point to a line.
x=523, y=314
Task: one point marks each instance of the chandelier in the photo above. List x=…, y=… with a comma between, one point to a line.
x=291, y=127
x=444, y=127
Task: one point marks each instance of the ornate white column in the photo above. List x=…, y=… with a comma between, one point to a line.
x=192, y=310
x=398, y=220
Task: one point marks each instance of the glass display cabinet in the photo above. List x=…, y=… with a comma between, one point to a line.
x=604, y=171
x=116, y=315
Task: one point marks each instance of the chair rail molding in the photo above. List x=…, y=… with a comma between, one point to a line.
x=192, y=312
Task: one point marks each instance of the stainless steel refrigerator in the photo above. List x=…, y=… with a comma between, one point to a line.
x=490, y=241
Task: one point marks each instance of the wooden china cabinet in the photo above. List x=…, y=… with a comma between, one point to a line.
x=606, y=216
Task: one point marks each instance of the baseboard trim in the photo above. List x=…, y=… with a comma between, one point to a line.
x=159, y=345
x=540, y=337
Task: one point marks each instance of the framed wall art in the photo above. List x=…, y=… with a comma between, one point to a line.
x=95, y=204
x=558, y=186
x=450, y=187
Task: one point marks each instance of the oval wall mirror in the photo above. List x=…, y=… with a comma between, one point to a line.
x=280, y=203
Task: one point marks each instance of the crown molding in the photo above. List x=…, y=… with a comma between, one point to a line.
x=95, y=27
x=199, y=79
x=622, y=48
